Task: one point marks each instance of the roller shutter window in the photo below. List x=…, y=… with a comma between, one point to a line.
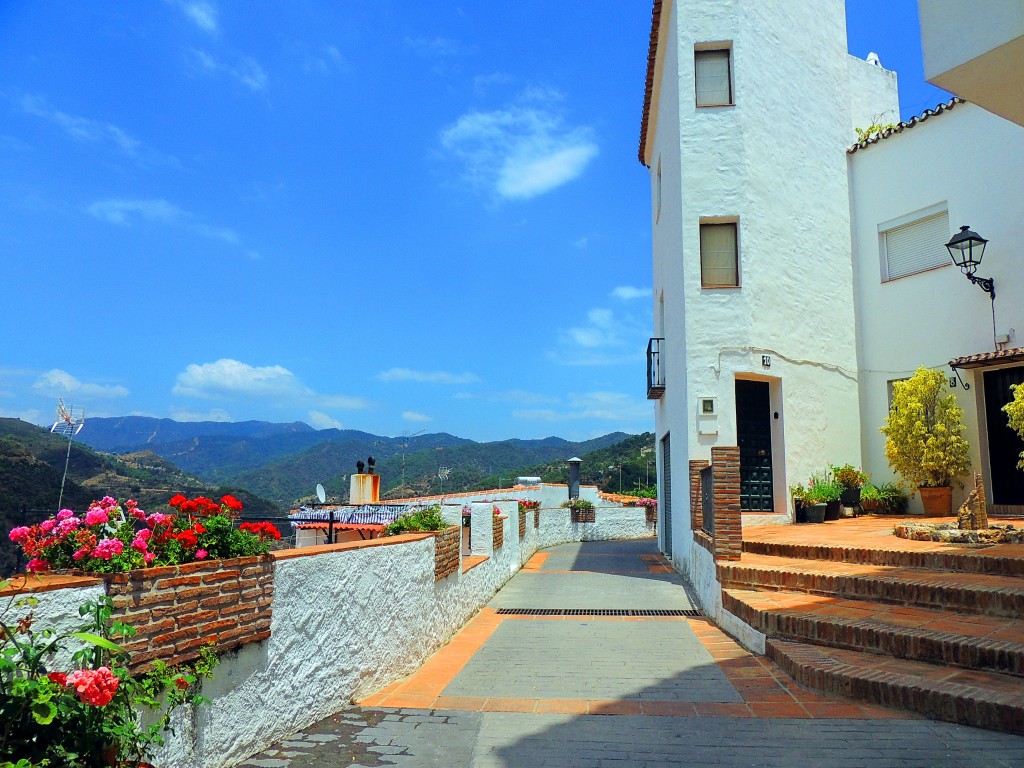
x=713, y=80
x=917, y=246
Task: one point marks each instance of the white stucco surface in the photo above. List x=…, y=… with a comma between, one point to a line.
x=931, y=317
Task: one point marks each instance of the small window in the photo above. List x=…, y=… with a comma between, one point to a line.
x=719, y=262
x=914, y=246
x=713, y=76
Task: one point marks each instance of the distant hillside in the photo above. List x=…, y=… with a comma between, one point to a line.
x=131, y=433
x=600, y=467
x=32, y=464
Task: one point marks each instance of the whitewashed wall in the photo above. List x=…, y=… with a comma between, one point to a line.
x=774, y=160
x=932, y=317
x=347, y=623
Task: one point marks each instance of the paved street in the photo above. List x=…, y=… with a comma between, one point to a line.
x=522, y=691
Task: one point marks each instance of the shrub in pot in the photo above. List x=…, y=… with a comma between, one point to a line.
x=1014, y=411
x=852, y=481
x=924, y=439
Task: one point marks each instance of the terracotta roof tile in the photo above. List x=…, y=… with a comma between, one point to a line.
x=652, y=57
x=983, y=359
x=877, y=137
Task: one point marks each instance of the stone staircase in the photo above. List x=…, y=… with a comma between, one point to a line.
x=938, y=633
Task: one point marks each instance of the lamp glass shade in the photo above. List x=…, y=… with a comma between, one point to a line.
x=966, y=248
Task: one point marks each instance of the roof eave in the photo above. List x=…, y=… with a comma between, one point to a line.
x=646, y=121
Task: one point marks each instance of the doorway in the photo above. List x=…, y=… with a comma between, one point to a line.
x=754, y=437
x=1004, y=445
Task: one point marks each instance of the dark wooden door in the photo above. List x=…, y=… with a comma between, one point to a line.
x=1004, y=445
x=754, y=436
x=666, y=496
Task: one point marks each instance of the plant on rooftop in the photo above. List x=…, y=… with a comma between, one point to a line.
x=924, y=435
x=1015, y=412
x=871, y=130
x=426, y=519
x=112, y=537
x=86, y=714
x=579, y=505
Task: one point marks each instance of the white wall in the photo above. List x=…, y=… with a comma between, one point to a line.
x=973, y=162
x=775, y=160
x=874, y=96
x=347, y=623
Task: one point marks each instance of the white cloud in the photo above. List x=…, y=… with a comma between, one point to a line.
x=32, y=416
x=437, y=47
x=427, y=377
x=324, y=61
x=521, y=151
x=202, y=14
x=580, y=243
x=522, y=397
x=58, y=383
x=244, y=69
x=233, y=378
x=417, y=417
x=627, y=292
x=123, y=212
x=606, y=338
x=82, y=128
x=320, y=420
x=603, y=406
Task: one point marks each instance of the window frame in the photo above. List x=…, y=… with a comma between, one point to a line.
x=906, y=220
x=714, y=221
x=724, y=46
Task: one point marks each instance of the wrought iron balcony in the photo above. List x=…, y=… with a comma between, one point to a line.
x=655, y=371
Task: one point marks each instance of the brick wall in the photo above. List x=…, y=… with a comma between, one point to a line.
x=177, y=609
x=447, y=546
x=725, y=466
x=536, y=518
x=583, y=515
x=499, y=531
x=696, y=510
x=522, y=524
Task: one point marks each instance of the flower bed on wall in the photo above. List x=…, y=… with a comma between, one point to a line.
x=447, y=545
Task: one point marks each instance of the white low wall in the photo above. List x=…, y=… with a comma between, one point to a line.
x=349, y=620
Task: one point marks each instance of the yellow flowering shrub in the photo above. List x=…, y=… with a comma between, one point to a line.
x=924, y=439
x=1015, y=410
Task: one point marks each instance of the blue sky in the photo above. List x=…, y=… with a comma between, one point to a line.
x=384, y=215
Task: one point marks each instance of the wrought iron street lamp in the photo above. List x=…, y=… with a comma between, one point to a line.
x=966, y=249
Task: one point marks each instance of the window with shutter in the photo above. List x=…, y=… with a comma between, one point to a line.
x=719, y=263
x=713, y=78
x=915, y=246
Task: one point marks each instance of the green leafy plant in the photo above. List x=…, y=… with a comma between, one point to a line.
x=924, y=439
x=579, y=505
x=426, y=519
x=871, y=130
x=86, y=715
x=1015, y=412
x=849, y=476
x=822, y=488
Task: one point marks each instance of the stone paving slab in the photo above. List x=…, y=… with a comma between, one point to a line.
x=592, y=590
x=652, y=661
x=448, y=739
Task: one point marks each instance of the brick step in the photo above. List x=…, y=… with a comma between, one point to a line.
x=962, y=592
x=986, y=560
x=919, y=634
x=981, y=699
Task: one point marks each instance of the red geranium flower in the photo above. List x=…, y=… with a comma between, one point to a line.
x=177, y=500
x=231, y=503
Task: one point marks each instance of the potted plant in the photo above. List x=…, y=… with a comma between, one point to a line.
x=799, y=494
x=852, y=481
x=825, y=490
x=924, y=439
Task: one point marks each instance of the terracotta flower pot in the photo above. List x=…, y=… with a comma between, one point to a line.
x=937, y=502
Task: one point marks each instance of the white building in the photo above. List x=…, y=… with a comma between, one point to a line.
x=775, y=329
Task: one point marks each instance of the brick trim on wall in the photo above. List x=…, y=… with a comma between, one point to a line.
x=536, y=518
x=725, y=467
x=447, y=549
x=499, y=531
x=583, y=515
x=177, y=609
x=696, y=510
x=522, y=525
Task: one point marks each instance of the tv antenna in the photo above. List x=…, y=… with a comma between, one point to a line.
x=442, y=475
x=70, y=421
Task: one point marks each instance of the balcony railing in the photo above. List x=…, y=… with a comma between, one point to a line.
x=655, y=371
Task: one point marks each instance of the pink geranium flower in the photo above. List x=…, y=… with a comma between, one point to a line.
x=64, y=514
x=96, y=517
x=94, y=686
x=19, y=534
x=108, y=548
x=35, y=565
x=201, y=554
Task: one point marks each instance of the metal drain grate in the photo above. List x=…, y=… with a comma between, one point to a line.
x=599, y=612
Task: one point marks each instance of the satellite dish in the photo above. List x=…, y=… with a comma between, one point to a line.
x=320, y=493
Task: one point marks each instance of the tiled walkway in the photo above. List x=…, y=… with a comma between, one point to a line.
x=616, y=691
